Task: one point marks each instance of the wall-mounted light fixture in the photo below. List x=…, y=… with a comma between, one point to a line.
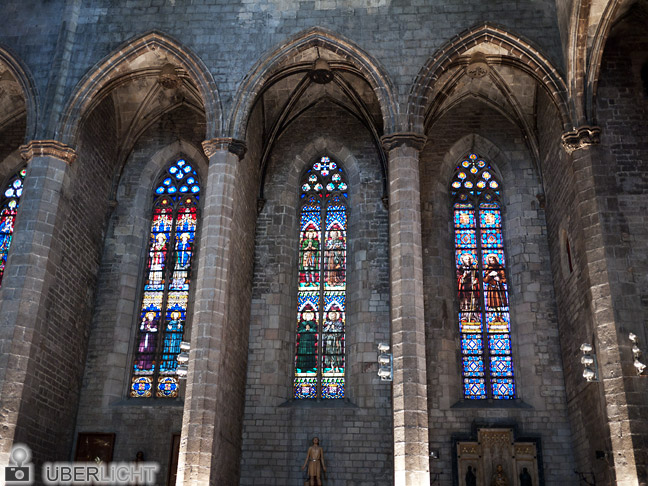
x=183, y=360
x=590, y=373
x=385, y=363
x=636, y=353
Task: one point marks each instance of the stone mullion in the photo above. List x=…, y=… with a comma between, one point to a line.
x=30, y=272
x=605, y=327
x=201, y=440
x=411, y=441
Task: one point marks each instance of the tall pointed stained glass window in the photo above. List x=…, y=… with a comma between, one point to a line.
x=484, y=320
x=163, y=312
x=11, y=198
x=321, y=308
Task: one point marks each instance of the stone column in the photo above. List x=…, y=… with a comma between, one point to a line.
x=28, y=276
x=203, y=452
x=615, y=367
x=411, y=441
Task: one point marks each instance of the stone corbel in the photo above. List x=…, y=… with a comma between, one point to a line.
x=237, y=147
x=48, y=148
x=410, y=139
x=580, y=137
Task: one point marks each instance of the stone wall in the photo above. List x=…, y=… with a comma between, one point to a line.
x=355, y=433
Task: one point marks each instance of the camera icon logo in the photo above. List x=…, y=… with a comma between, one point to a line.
x=20, y=471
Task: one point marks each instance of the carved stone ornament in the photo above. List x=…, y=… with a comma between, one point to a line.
x=48, y=148
x=237, y=147
x=477, y=66
x=168, y=77
x=411, y=139
x=581, y=137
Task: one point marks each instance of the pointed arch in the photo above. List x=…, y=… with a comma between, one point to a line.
x=23, y=77
x=612, y=11
x=521, y=55
x=370, y=68
x=115, y=64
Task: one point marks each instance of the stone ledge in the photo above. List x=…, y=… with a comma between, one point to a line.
x=490, y=403
x=344, y=403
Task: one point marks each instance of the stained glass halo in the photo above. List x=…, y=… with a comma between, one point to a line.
x=475, y=179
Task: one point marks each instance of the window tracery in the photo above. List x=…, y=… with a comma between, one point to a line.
x=484, y=319
x=163, y=311
x=321, y=315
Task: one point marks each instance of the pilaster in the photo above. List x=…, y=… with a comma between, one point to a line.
x=411, y=449
x=29, y=274
x=615, y=366
x=205, y=454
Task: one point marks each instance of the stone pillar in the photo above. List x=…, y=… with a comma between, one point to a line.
x=615, y=366
x=203, y=457
x=411, y=441
x=29, y=274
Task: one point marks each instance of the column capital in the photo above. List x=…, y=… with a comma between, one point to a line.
x=213, y=145
x=411, y=139
x=581, y=137
x=48, y=148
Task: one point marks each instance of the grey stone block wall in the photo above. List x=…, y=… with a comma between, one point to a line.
x=230, y=37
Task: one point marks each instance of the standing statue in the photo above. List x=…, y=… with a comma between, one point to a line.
x=525, y=478
x=471, y=478
x=499, y=478
x=315, y=462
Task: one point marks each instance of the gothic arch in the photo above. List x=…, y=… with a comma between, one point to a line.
x=612, y=10
x=264, y=69
x=23, y=77
x=116, y=64
x=519, y=54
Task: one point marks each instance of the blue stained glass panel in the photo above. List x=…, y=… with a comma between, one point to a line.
x=471, y=345
x=473, y=366
x=501, y=366
x=499, y=344
x=332, y=388
x=492, y=239
x=474, y=388
x=305, y=388
x=465, y=238
x=464, y=218
x=490, y=218
x=503, y=388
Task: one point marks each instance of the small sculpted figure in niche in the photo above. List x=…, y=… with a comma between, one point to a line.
x=315, y=462
x=525, y=478
x=471, y=477
x=499, y=478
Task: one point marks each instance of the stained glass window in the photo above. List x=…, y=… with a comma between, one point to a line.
x=484, y=321
x=11, y=198
x=163, y=312
x=321, y=308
